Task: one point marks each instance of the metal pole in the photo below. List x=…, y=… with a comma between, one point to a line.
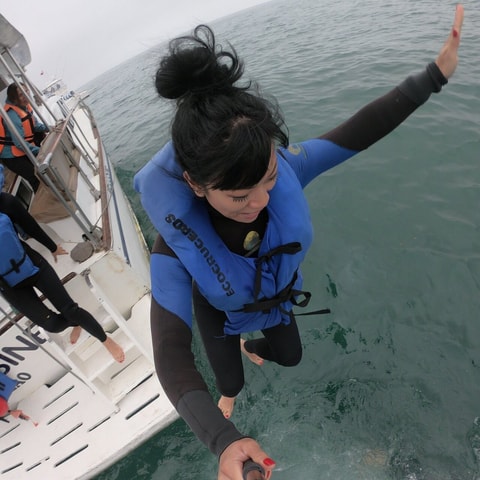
x=27, y=82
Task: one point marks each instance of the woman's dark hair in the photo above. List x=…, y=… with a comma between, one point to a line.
x=222, y=133
x=12, y=93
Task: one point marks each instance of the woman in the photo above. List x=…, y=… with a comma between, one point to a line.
x=12, y=153
x=226, y=197
x=17, y=287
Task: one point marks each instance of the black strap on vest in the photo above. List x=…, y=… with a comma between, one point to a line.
x=15, y=266
x=287, y=294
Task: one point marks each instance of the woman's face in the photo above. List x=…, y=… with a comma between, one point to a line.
x=22, y=99
x=243, y=205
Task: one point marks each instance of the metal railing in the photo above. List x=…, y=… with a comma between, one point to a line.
x=69, y=136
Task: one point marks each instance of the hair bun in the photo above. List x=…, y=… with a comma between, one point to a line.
x=197, y=65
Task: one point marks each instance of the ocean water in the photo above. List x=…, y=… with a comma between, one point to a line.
x=389, y=386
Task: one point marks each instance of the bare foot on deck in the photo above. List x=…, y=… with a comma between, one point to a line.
x=225, y=404
x=116, y=351
x=75, y=334
x=253, y=357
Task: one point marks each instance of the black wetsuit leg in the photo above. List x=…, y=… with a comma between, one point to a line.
x=24, y=167
x=25, y=300
x=282, y=344
x=223, y=351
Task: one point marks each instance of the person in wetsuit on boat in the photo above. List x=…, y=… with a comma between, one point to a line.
x=226, y=197
x=12, y=153
x=23, y=297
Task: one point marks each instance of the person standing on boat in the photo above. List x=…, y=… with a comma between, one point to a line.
x=21, y=294
x=12, y=153
x=226, y=197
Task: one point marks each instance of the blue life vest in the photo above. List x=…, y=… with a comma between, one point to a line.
x=232, y=283
x=15, y=264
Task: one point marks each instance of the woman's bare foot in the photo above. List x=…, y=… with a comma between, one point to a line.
x=253, y=357
x=225, y=404
x=75, y=334
x=116, y=351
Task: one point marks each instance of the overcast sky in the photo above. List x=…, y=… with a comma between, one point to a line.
x=80, y=39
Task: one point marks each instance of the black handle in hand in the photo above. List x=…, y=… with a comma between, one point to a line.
x=253, y=471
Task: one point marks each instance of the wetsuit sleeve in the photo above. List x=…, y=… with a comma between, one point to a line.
x=171, y=283
x=364, y=128
x=174, y=360
x=12, y=207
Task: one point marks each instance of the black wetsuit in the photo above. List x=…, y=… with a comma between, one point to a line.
x=23, y=296
x=172, y=336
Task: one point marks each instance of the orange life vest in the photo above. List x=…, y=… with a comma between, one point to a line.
x=3, y=138
x=28, y=123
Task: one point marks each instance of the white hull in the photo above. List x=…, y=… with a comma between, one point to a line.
x=91, y=410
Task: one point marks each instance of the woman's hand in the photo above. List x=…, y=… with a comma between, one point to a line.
x=447, y=58
x=232, y=459
x=59, y=251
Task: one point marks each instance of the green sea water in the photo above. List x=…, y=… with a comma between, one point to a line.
x=389, y=386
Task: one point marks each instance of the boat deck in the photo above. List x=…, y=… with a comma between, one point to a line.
x=98, y=410
x=90, y=410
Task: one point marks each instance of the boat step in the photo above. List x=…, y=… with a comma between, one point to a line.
x=139, y=323
x=97, y=361
x=62, y=339
x=127, y=379
x=82, y=345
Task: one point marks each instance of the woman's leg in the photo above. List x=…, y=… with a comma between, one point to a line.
x=50, y=285
x=282, y=344
x=223, y=351
x=71, y=315
x=26, y=301
x=24, y=167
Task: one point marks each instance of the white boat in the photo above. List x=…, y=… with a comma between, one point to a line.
x=91, y=410
x=55, y=88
